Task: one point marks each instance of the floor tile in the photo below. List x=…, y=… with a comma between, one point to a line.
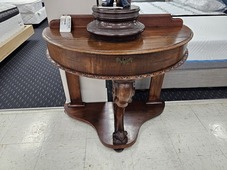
x=217, y=128
x=201, y=144
x=5, y=123
x=19, y=156
x=28, y=128
x=154, y=126
x=223, y=109
x=64, y=144
x=62, y=155
x=214, y=119
x=181, y=119
x=211, y=162
x=204, y=110
x=215, y=125
x=2, y=148
x=100, y=157
x=155, y=152
x=63, y=127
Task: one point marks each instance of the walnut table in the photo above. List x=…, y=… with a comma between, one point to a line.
x=160, y=48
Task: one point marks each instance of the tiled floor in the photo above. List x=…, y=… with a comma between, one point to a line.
x=187, y=135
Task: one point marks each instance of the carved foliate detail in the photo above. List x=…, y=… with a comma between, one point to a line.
x=123, y=92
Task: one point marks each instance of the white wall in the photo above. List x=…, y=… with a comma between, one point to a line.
x=56, y=8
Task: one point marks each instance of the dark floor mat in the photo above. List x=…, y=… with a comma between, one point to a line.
x=28, y=79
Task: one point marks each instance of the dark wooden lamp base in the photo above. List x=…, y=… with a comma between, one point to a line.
x=101, y=117
x=115, y=24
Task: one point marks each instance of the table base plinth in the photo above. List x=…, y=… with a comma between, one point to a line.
x=101, y=117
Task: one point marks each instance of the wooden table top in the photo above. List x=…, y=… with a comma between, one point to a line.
x=161, y=47
x=152, y=40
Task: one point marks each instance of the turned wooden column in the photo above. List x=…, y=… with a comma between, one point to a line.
x=155, y=88
x=73, y=82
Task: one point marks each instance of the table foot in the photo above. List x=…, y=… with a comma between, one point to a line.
x=120, y=138
x=119, y=150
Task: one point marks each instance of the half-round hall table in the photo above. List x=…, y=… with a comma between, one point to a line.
x=160, y=48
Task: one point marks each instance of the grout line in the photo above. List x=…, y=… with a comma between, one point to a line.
x=30, y=109
x=202, y=101
x=85, y=154
x=41, y=147
x=199, y=120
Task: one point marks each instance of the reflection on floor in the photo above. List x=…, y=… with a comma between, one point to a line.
x=187, y=135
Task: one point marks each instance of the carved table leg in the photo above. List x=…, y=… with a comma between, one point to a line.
x=123, y=92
